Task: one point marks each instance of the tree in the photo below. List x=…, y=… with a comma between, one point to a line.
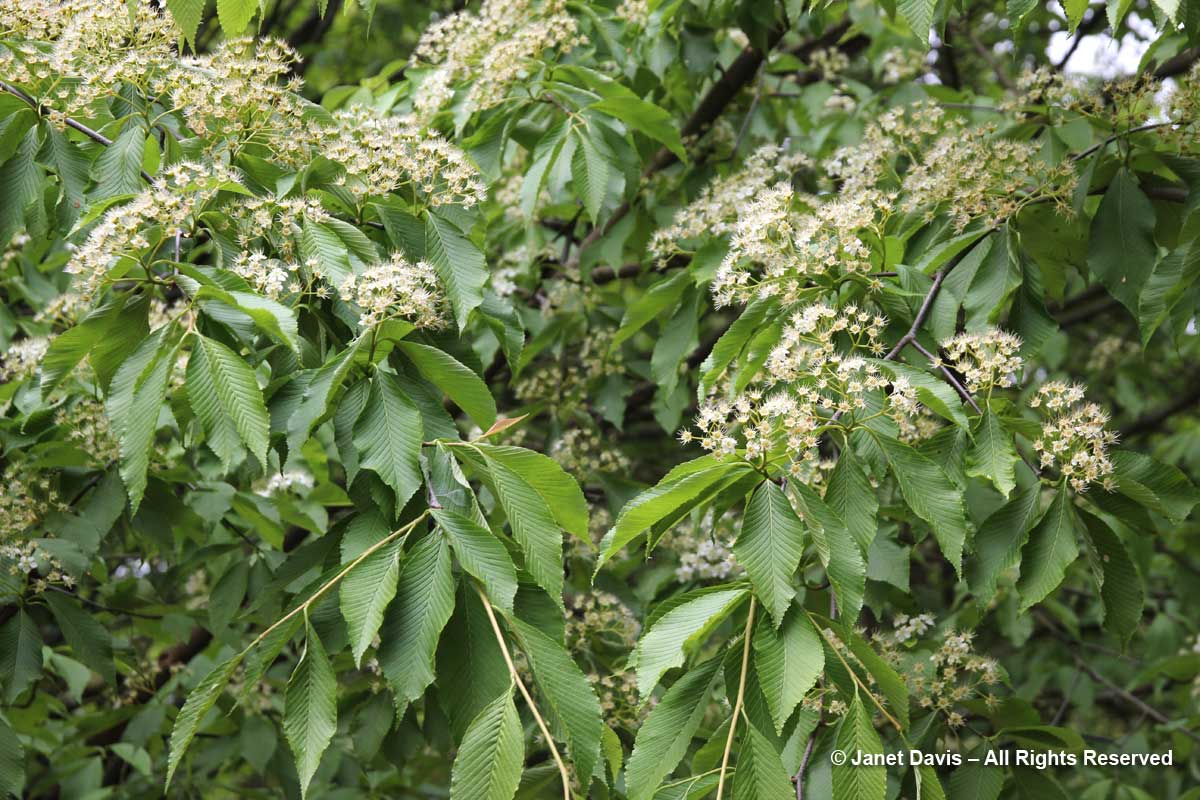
x=631, y=400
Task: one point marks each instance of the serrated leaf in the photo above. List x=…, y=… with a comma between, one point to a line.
x=1018, y=9
x=365, y=594
x=1121, y=250
x=856, y=734
x=1050, y=550
x=235, y=15
x=999, y=540
x=644, y=117
x=788, y=662
x=931, y=495
x=187, y=15
x=464, y=387
x=658, y=298
x=561, y=492
x=20, y=654
x=760, y=772
x=118, y=168
x=666, y=734
x=663, y=646
x=853, y=499
x=1121, y=586
x=590, y=171
x=839, y=553
x=388, y=437
x=993, y=455
x=482, y=555
x=1160, y=487
x=489, y=762
x=571, y=701
x=919, y=16
x=12, y=761
x=424, y=602
x=89, y=640
x=545, y=153
x=458, y=263
x=227, y=395
x=769, y=546
x=310, y=709
x=199, y=702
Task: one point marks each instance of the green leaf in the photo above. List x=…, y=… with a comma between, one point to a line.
x=853, y=499
x=560, y=491
x=856, y=734
x=1121, y=250
x=459, y=265
x=788, y=663
x=590, y=171
x=769, y=547
x=919, y=16
x=235, y=15
x=1050, y=550
x=388, y=437
x=482, y=555
x=224, y=394
x=20, y=183
x=1168, y=286
x=931, y=495
x=993, y=454
x=118, y=168
x=644, y=117
x=319, y=393
x=135, y=399
x=424, y=602
x=89, y=640
x=1121, y=586
x=1074, y=9
x=1159, y=487
x=1018, y=9
x=12, y=761
x=310, y=709
x=320, y=243
x=545, y=153
x=666, y=734
x=20, y=654
x=733, y=341
x=365, y=593
x=659, y=297
x=199, y=702
x=839, y=553
x=490, y=761
x=187, y=14
x=272, y=317
x=676, y=489
x=887, y=682
x=570, y=699
x=464, y=387
x=931, y=391
x=977, y=780
x=999, y=540
x=471, y=670
x=760, y=772
x=663, y=646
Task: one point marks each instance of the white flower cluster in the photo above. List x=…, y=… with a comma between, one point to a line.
x=582, y=452
x=288, y=480
x=88, y=428
x=25, y=497
x=495, y=47
x=985, y=358
x=1074, y=440
x=397, y=288
x=22, y=357
x=701, y=549
x=715, y=211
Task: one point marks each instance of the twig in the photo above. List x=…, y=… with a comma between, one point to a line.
x=948, y=375
x=1149, y=126
x=988, y=59
x=1133, y=700
x=512, y=670
x=1152, y=420
x=94, y=135
x=101, y=606
x=737, y=705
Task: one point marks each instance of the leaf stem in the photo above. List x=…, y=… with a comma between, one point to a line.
x=741, y=695
x=317, y=595
x=512, y=670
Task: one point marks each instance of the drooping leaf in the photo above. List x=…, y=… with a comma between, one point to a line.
x=458, y=263
x=760, y=772
x=225, y=396
x=310, y=709
x=199, y=702
x=20, y=654
x=999, y=540
x=839, y=553
x=1121, y=585
x=89, y=640
x=788, y=662
x=856, y=735
x=663, y=646
x=993, y=454
x=769, y=547
x=1121, y=251
x=489, y=762
x=464, y=387
x=931, y=495
x=365, y=594
x=1050, y=550
x=388, y=437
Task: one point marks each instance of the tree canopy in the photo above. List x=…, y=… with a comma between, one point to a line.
x=631, y=399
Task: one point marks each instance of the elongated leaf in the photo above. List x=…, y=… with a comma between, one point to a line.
x=993, y=454
x=482, y=555
x=464, y=387
x=570, y=699
x=134, y=402
x=839, y=553
x=665, y=736
x=788, y=663
x=235, y=15
x=388, y=436
x=644, y=117
x=199, y=702
x=1121, y=251
x=1160, y=487
x=458, y=263
x=1050, y=550
x=471, y=671
x=187, y=14
x=12, y=761
x=20, y=654
x=310, y=709
x=118, y=168
x=663, y=646
x=931, y=494
x=235, y=399
x=999, y=540
x=89, y=640
x=365, y=594
x=856, y=734
x=414, y=620
x=590, y=171
x=489, y=762
x=853, y=499
x=658, y=298
x=1121, y=586
x=760, y=772
x=769, y=547
x=560, y=491
x=919, y=16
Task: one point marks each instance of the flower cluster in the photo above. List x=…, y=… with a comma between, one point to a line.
x=25, y=497
x=582, y=452
x=26, y=558
x=1073, y=439
x=701, y=548
x=986, y=358
x=599, y=619
x=496, y=46
x=716, y=210
x=286, y=481
x=88, y=428
x=22, y=357
x=900, y=64
x=397, y=288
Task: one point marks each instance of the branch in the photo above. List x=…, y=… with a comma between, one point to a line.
x=38, y=108
x=1154, y=419
x=1178, y=64
x=1132, y=699
x=512, y=670
x=737, y=705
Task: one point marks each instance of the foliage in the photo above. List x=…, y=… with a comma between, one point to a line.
x=339, y=424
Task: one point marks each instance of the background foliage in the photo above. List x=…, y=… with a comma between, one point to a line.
x=590, y=399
